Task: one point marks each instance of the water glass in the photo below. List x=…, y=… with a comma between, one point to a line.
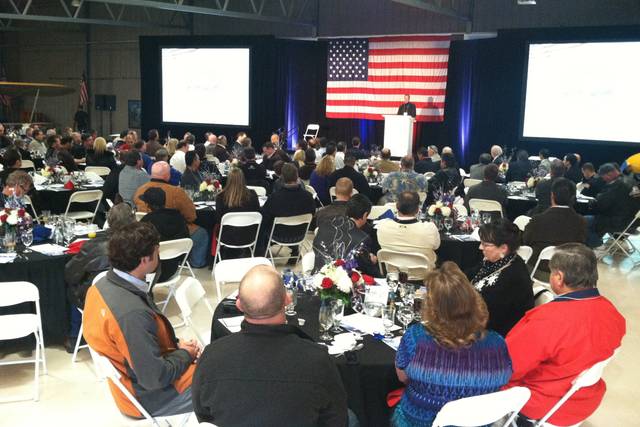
x=69, y=230
x=293, y=297
x=405, y=316
x=448, y=224
x=26, y=236
x=392, y=280
x=388, y=316
x=326, y=321
x=337, y=308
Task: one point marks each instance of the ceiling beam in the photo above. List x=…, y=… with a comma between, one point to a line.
x=431, y=7
x=68, y=20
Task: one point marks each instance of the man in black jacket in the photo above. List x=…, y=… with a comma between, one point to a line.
x=348, y=171
x=269, y=373
x=543, y=189
x=424, y=163
x=573, y=168
x=592, y=183
x=272, y=154
x=254, y=173
x=488, y=189
x=407, y=108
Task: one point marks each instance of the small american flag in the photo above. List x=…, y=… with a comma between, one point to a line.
x=84, y=92
x=367, y=78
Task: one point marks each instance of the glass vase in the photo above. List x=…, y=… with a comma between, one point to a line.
x=9, y=239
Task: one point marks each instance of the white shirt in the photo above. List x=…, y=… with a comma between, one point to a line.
x=177, y=161
x=339, y=160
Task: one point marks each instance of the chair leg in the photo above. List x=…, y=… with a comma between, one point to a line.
x=185, y=419
x=42, y=353
x=218, y=283
x=36, y=384
x=77, y=346
x=166, y=302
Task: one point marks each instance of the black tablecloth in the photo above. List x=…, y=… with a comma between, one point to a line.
x=521, y=206
x=56, y=201
x=47, y=273
x=466, y=254
x=367, y=379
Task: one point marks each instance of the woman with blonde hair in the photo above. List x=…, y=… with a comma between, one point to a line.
x=172, y=146
x=98, y=155
x=450, y=355
x=319, y=178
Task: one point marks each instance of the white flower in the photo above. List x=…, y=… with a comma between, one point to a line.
x=203, y=186
x=446, y=211
x=12, y=219
x=375, y=173
x=211, y=188
x=531, y=182
x=431, y=210
x=343, y=281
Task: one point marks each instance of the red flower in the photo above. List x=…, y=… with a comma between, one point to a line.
x=216, y=184
x=3, y=218
x=438, y=211
x=370, y=169
x=21, y=212
x=327, y=283
x=368, y=280
x=355, y=277
x=339, y=263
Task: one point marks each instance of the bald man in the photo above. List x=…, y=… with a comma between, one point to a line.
x=269, y=373
x=176, y=198
x=344, y=188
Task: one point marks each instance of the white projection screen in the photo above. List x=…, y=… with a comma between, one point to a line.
x=583, y=91
x=206, y=86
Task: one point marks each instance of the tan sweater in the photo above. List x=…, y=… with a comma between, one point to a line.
x=409, y=236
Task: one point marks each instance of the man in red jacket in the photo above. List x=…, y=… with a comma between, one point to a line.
x=553, y=343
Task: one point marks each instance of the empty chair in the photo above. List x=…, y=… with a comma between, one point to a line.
x=414, y=264
x=13, y=326
x=28, y=164
x=171, y=249
x=615, y=244
x=311, y=131
x=525, y=252
x=27, y=201
x=332, y=192
x=522, y=221
x=483, y=409
x=484, y=205
x=313, y=192
x=542, y=295
x=288, y=231
x=233, y=270
x=98, y=170
x=234, y=238
x=470, y=182
x=188, y=296
x=545, y=255
x=260, y=191
x=308, y=262
x=88, y=196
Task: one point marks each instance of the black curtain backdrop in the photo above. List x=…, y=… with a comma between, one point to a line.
x=483, y=103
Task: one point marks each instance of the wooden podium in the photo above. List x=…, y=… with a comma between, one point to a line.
x=398, y=134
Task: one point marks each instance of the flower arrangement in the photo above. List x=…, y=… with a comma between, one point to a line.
x=338, y=280
x=53, y=172
x=371, y=173
x=11, y=217
x=210, y=185
x=439, y=208
x=503, y=168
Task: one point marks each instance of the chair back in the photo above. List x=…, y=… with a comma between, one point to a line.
x=377, y=210
x=332, y=192
x=429, y=174
x=415, y=264
x=174, y=248
x=484, y=205
x=18, y=292
x=28, y=164
x=542, y=295
x=483, y=409
x=140, y=215
x=98, y=277
x=308, y=262
x=27, y=201
x=260, y=191
x=525, y=253
x=461, y=209
x=522, y=221
x=311, y=131
x=98, y=170
x=243, y=220
x=188, y=295
x=87, y=196
x=470, y=182
x=546, y=255
x=290, y=227
x=314, y=193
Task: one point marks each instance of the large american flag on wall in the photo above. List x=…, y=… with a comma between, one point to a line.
x=367, y=78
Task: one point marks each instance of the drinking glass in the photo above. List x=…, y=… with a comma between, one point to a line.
x=290, y=309
x=45, y=216
x=69, y=230
x=388, y=316
x=26, y=237
x=392, y=280
x=326, y=321
x=405, y=316
x=448, y=224
x=337, y=308
x=486, y=218
x=373, y=309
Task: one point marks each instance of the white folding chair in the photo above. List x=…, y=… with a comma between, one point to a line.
x=615, y=243
x=188, y=296
x=470, y=182
x=525, y=252
x=281, y=222
x=308, y=262
x=98, y=170
x=77, y=346
x=484, y=205
x=311, y=131
x=542, y=295
x=140, y=215
x=587, y=378
x=414, y=264
x=13, y=326
x=545, y=255
x=260, y=191
x=171, y=249
x=522, y=221
x=233, y=270
x=27, y=201
x=484, y=409
x=463, y=173
x=28, y=164
x=332, y=192
x=377, y=210
x=313, y=192
x=240, y=220
x=429, y=174
x=84, y=197
x=113, y=375
x=461, y=209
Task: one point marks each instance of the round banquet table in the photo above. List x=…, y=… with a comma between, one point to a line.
x=368, y=375
x=56, y=201
x=466, y=254
x=521, y=205
x=47, y=273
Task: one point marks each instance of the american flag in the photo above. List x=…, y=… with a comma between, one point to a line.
x=84, y=92
x=367, y=78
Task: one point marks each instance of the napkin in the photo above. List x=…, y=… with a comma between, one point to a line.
x=6, y=258
x=387, y=214
x=69, y=185
x=232, y=323
x=41, y=233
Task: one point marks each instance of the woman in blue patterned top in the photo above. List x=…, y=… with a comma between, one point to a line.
x=450, y=355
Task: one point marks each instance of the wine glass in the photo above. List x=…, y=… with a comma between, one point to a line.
x=326, y=321
x=69, y=230
x=405, y=316
x=392, y=280
x=448, y=224
x=388, y=316
x=293, y=297
x=337, y=308
x=26, y=237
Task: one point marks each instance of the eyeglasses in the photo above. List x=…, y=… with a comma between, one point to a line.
x=487, y=244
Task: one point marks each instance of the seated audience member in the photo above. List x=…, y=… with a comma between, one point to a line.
x=406, y=179
x=236, y=146
x=348, y=171
x=558, y=224
x=572, y=166
x=385, y=164
x=320, y=179
x=432, y=151
x=12, y=161
x=446, y=179
x=477, y=170
x=191, y=178
x=16, y=185
x=170, y=225
x=343, y=236
x=424, y=163
x=220, y=150
x=21, y=146
x=545, y=163
x=520, y=169
x=356, y=149
x=487, y=189
x=502, y=278
x=59, y=152
x=309, y=164
x=543, y=189
x=613, y=207
x=272, y=154
x=340, y=149
x=153, y=142
x=208, y=167
x=496, y=154
x=300, y=153
x=254, y=173
x=162, y=155
x=99, y=155
x=344, y=188
x=176, y=198
x=141, y=147
x=177, y=159
x=172, y=146
x=592, y=184
x=131, y=177
x=450, y=354
x=330, y=149
x=38, y=144
x=267, y=357
x=320, y=147
x=122, y=323
x=406, y=233
x=290, y=200
x=555, y=342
